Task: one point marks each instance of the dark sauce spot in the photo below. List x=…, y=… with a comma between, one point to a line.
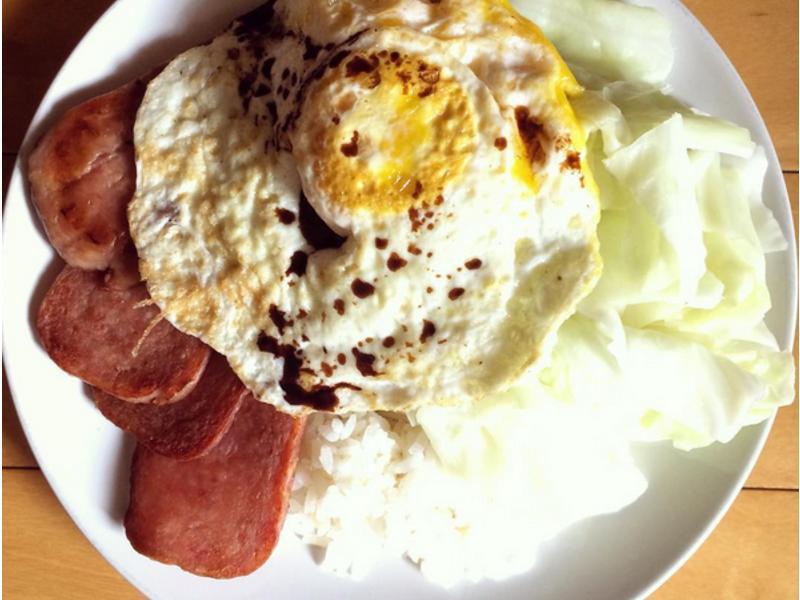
x=338, y=58
x=361, y=288
x=396, y=262
x=572, y=162
x=455, y=293
x=285, y=216
x=312, y=49
x=381, y=243
x=272, y=109
x=414, y=250
x=233, y=53
x=359, y=65
x=531, y=131
x=350, y=149
x=501, y=143
x=245, y=86
x=319, y=397
x=428, y=329
x=314, y=229
x=413, y=216
x=326, y=369
x=278, y=318
x=417, y=189
x=341, y=358
x=428, y=73
x=474, y=263
x=266, y=67
x=317, y=73
x=338, y=306
x=364, y=363
x=388, y=342
x=267, y=343
x=298, y=264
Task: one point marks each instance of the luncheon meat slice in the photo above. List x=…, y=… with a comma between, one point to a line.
x=219, y=515
x=82, y=175
x=115, y=339
x=185, y=429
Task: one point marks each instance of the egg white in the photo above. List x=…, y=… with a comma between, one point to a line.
x=494, y=226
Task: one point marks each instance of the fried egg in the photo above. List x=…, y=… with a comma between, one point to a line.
x=367, y=205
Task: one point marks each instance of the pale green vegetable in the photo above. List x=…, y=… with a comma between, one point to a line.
x=644, y=107
x=671, y=344
x=692, y=389
x=607, y=37
x=683, y=234
x=654, y=170
x=547, y=462
x=751, y=174
x=666, y=385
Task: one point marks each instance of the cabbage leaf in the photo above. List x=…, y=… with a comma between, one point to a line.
x=606, y=37
x=683, y=235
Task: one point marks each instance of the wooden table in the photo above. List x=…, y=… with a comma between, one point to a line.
x=752, y=554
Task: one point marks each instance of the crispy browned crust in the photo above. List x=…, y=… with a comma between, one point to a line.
x=82, y=175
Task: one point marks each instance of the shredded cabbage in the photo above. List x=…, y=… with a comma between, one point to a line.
x=548, y=462
x=683, y=235
x=672, y=343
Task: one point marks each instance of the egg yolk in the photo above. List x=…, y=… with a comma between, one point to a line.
x=407, y=131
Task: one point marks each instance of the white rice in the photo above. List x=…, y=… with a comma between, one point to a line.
x=371, y=485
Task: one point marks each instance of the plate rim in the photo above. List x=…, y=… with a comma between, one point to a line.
x=17, y=181
x=790, y=325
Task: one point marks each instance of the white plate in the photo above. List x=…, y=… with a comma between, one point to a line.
x=85, y=459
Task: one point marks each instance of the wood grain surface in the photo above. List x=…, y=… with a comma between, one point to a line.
x=752, y=554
